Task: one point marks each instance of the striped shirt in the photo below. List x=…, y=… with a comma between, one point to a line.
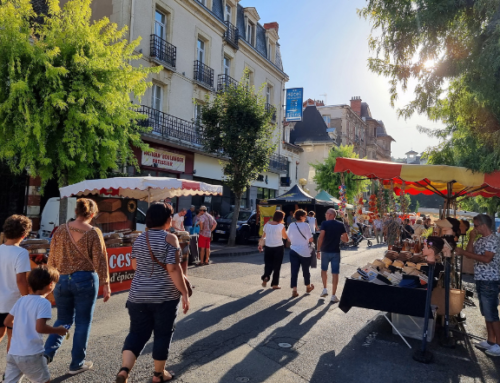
x=157, y=287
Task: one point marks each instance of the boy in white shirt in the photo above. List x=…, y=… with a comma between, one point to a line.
x=14, y=264
x=29, y=316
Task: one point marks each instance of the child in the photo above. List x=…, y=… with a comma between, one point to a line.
x=29, y=316
x=14, y=264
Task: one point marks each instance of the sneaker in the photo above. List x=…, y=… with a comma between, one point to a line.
x=324, y=293
x=87, y=365
x=484, y=345
x=493, y=350
x=334, y=299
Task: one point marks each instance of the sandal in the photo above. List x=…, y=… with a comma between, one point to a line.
x=162, y=379
x=264, y=282
x=310, y=288
x=295, y=294
x=276, y=287
x=121, y=378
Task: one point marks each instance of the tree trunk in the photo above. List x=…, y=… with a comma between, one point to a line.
x=236, y=214
x=63, y=205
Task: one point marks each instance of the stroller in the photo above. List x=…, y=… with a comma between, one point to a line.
x=355, y=237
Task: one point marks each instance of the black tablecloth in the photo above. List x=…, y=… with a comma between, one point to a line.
x=400, y=300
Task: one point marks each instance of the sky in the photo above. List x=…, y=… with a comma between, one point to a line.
x=324, y=47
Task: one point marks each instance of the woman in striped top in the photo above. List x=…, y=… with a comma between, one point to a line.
x=155, y=294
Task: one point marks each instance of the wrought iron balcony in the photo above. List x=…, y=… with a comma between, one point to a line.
x=224, y=81
x=232, y=34
x=271, y=108
x=169, y=126
x=278, y=163
x=163, y=51
x=203, y=74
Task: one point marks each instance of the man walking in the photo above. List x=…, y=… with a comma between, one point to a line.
x=378, y=226
x=207, y=225
x=332, y=232
x=188, y=219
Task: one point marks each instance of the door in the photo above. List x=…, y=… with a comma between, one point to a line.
x=227, y=66
x=228, y=12
x=160, y=25
x=201, y=51
x=156, y=104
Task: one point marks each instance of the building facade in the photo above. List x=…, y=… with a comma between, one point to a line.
x=202, y=46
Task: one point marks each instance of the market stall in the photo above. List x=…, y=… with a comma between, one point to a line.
x=448, y=182
x=113, y=196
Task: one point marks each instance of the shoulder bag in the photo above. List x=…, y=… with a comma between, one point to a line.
x=86, y=257
x=314, y=261
x=164, y=266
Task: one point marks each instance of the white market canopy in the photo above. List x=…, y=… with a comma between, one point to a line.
x=141, y=188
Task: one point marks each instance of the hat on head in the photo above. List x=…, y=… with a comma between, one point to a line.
x=444, y=224
x=204, y=208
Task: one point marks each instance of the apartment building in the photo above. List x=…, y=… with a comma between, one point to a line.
x=202, y=46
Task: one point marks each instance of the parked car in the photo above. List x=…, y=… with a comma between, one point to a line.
x=247, y=226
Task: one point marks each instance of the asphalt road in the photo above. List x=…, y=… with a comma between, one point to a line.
x=235, y=327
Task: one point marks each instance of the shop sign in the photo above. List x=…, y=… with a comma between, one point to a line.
x=164, y=160
x=294, y=102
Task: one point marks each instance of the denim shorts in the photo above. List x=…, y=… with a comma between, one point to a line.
x=333, y=259
x=487, y=292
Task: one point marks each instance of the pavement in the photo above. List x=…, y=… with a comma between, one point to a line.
x=236, y=330
x=222, y=249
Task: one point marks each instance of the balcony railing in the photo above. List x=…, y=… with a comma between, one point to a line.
x=271, y=108
x=169, y=126
x=224, y=81
x=279, y=163
x=203, y=74
x=232, y=34
x=163, y=51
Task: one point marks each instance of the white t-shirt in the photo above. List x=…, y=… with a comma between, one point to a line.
x=312, y=224
x=178, y=222
x=25, y=339
x=300, y=244
x=13, y=260
x=274, y=234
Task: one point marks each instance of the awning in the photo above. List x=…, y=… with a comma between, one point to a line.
x=424, y=179
x=297, y=196
x=325, y=196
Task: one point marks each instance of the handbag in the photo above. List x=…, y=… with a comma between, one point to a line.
x=314, y=261
x=457, y=298
x=164, y=266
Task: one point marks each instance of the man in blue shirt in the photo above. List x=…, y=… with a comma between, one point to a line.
x=188, y=219
x=332, y=232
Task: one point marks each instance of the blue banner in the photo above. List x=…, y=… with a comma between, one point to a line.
x=294, y=102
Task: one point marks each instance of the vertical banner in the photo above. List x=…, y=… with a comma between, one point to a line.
x=266, y=214
x=294, y=102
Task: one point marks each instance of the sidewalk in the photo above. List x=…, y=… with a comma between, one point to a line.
x=221, y=249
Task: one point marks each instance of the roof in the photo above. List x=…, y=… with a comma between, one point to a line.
x=312, y=128
x=411, y=152
x=298, y=196
x=365, y=110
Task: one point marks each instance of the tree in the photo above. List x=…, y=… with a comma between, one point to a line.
x=450, y=48
x=417, y=206
x=328, y=180
x=236, y=126
x=65, y=87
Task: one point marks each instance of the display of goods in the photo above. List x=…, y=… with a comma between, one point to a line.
x=110, y=205
x=34, y=242
x=114, y=217
x=405, y=256
x=343, y=199
x=411, y=264
x=387, y=261
x=399, y=264
x=378, y=263
x=113, y=241
x=392, y=255
x=408, y=270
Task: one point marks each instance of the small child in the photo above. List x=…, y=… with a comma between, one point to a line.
x=30, y=314
x=14, y=264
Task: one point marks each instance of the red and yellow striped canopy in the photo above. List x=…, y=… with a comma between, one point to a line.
x=424, y=179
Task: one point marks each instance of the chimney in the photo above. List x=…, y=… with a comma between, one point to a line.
x=356, y=105
x=273, y=25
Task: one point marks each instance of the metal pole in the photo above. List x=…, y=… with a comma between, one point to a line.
x=423, y=355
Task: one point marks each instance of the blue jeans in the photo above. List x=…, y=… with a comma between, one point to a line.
x=75, y=296
x=296, y=261
x=146, y=318
x=487, y=292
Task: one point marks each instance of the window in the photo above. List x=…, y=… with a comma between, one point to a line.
x=327, y=120
x=251, y=33
x=201, y=51
x=296, y=171
x=268, y=94
x=227, y=66
x=203, y=2
x=269, y=51
x=228, y=13
x=157, y=99
x=197, y=114
x=160, y=25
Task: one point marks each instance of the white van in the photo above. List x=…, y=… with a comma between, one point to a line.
x=50, y=215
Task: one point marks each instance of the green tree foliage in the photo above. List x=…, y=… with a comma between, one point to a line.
x=417, y=206
x=461, y=39
x=65, y=87
x=328, y=180
x=237, y=127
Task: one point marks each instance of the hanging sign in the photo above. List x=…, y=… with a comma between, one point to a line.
x=164, y=160
x=294, y=102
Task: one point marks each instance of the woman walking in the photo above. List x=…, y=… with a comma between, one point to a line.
x=78, y=252
x=299, y=234
x=274, y=250
x=155, y=294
